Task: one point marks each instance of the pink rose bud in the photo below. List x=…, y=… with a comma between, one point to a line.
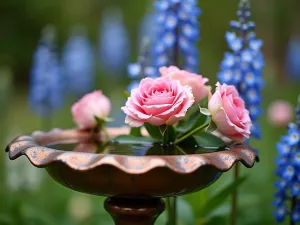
x=91, y=105
x=280, y=113
x=229, y=114
x=158, y=101
x=197, y=82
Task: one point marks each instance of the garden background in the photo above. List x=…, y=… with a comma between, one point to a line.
x=29, y=196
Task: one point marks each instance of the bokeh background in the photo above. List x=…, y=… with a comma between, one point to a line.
x=29, y=196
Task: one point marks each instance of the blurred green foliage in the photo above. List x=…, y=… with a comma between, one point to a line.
x=50, y=203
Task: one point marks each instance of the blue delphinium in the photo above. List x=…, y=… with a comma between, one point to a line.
x=142, y=68
x=147, y=29
x=287, y=200
x=114, y=45
x=177, y=33
x=243, y=66
x=293, y=58
x=78, y=63
x=46, y=81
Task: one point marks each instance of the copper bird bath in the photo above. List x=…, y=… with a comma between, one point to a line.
x=134, y=185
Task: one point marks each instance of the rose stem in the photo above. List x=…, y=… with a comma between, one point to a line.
x=180, y=149
x=105, y=132
x=101, y=127
x=191, y=133
x=169, y=210
x=234, y=197
x=175, y=209
x=163, y=130
x=294, y=204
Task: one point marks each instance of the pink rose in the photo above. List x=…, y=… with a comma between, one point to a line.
x=280, y=113
x=89, y=106
x=197, y=82
x=158, y=101
x=229, y=113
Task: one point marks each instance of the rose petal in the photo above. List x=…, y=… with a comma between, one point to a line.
x=156, y=109
x=133, y=122
x=215, y=103
x=156, y=121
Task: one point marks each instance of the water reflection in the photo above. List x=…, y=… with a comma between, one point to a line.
x=83, y=147
x=133, y=149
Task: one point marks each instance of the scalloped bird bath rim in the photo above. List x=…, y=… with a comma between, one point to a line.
x=33, y=147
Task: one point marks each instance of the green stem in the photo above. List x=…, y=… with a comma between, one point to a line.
x=102, y=127
x=192, y=132
x=171, y=204
x=163, y=130
x=169, y=210
x=164, y=139
x=175, y=210
x=106, y=133
x=180, y=149
x=234, y=198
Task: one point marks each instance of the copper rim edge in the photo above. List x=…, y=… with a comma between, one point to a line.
x=41, y=156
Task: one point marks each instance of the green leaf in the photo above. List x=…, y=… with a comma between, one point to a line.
x=129, y=139
x=136, y=131
x=214, y=202
x=207, y=140
x=153, y=131
x=204, y=111
x=170, y=134
x=188, y=143
x=217, y=220
x=194, y=121
x=102, y=121
x=204, y=103
x=99, y=120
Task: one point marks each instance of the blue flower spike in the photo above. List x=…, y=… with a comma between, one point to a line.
x=114, y=43
x=177, y=34
x=79, y=63
x=46, y=80
x=141, y=68
x=288, y=166
x=243, y=66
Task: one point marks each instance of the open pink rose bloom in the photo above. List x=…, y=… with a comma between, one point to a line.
x=158, y=101
x=228, y=112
